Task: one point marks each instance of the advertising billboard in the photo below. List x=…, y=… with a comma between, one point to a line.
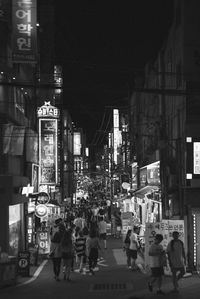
x=77, y=143
x=24, y=31
x=48, y=131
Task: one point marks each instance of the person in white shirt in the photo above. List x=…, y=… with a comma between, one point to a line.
x=156, y=252
x=134, y=245
x=102, y=226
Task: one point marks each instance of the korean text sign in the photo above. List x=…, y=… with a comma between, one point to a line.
x=166, y=228
x=24, y=31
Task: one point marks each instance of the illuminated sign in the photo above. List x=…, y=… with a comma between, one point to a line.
x=24, y=31
x=115, y=133
x=196, y=157
x=47, y=110
x=48, y=131
x=43, y=198
x=43, y=240
x=77, y=143
x=192, y=158
x=153, y=173
x=41, y=211
x=28, y=189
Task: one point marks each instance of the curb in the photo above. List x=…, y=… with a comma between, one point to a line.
x=35, y=275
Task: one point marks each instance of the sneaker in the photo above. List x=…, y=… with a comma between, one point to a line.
x=129, y=267
x=160, y=292
x=69, y=279
x=150, y=287
x=96, y=269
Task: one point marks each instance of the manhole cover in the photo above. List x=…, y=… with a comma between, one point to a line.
x=114, y=286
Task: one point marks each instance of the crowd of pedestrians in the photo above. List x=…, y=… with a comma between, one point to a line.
x=76, y=241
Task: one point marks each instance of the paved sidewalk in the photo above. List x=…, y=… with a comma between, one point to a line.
x=189, y=289
x=189, y=286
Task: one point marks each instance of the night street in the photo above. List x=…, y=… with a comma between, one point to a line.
x=99, y=149
x=113, y=280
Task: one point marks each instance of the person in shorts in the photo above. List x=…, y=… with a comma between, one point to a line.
x=156, y=253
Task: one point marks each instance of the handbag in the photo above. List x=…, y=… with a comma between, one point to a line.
x=52, y=253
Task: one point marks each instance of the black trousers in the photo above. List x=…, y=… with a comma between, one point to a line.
x=56, y=265
x=93, y=257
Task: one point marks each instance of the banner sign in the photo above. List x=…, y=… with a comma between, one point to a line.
x=48, y=150
x=43, y=240
x=166, y=228
x=24, y=31
x=127, y=223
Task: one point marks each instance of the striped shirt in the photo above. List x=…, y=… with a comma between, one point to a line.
x=80, y=245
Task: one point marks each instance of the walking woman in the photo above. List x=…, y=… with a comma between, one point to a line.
x=67, y=253
x=55, y=250
x=80, y=249
x=127, y=248
x=93, y=247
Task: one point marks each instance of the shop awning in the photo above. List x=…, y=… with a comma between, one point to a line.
x=147, y=189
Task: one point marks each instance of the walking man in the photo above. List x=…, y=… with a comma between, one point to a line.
x=177, y=259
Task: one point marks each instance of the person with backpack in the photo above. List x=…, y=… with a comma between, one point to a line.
x=177, y=259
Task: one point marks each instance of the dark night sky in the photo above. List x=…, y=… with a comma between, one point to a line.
x=101, y=48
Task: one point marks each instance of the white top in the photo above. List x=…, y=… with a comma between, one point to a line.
x=134, y=241
x=102, y=227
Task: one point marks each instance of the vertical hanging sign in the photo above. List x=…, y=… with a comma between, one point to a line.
x=48, y=132
x=24, y=31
